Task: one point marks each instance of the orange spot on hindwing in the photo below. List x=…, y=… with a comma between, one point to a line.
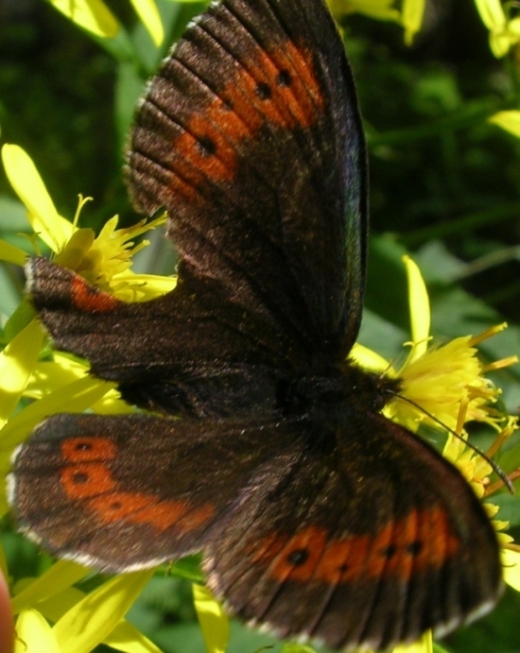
x=87, y=478
x=89, y=448
x=422, y=540
x=300, y=555
x=116, y=506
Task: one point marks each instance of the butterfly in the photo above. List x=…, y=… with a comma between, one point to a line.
x=264, y=445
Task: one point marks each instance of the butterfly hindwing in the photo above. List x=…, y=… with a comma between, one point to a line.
x=305, y=529
x=367, y=544
x=124, y=492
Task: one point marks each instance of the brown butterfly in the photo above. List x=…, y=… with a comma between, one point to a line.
x=267, y=448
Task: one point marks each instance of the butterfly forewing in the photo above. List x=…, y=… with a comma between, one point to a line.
x=251, y=138
x=170, y=354
x=124, y=492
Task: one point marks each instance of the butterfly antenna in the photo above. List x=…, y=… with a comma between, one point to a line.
x=498, y=471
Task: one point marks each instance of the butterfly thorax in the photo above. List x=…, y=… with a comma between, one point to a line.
x=344, y=386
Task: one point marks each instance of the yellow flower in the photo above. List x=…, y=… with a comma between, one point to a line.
x=448, y=383
x=81, y=621
x=444, y=387
x=442, y=384
x=104, y=261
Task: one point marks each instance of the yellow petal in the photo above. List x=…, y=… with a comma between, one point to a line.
x=419, y=308
x=127, y=638
x=511, y=568
x=508, y=120
x=412, y=17
x=12, y=254
x=369, y=359
x=513, y=27
x=50, y=376
x=28, y=185
x=55, y=580
x=34, y=635
x=80, y=395
x=92, y=15
x=491, y=13
x=17, y=362
x=504, y=539
x=212, y=618
x=90, y=621
x=424, y=645
x=124, y=637
x=141, y=287
x=500, y=43
x=151, y=18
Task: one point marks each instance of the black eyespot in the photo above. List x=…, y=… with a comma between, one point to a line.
x=389, y=551
x=284, y=78
x=414, y=548
x=79, y=478
x=207, y=145
x=263, y=91
x=298, y=557
x=83, y=446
